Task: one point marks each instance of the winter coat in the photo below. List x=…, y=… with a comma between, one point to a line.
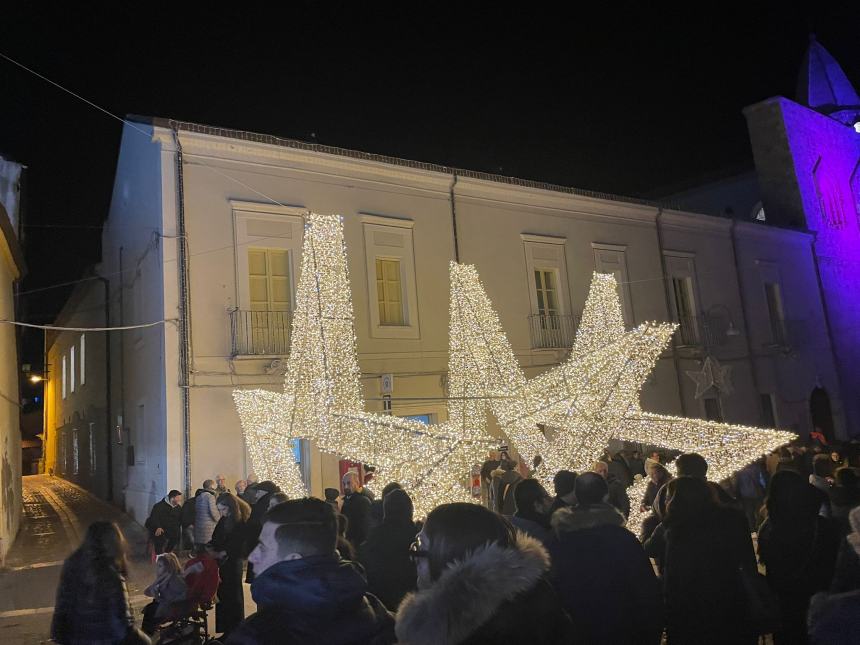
x=189, y=510
x=318, y=599
x=206, y=516
x=495, y=595
x=356, y=508
x=800, y=561
x=603, y=578
x=846, y=577
x=90, y=612
x=385, y=558
x=702, y=581
x=530, y=527
x=167, y=593
x=834, y=619
x=618, y=494
x=230, y=537
x=842, y=500
x=504, y=482
x=169, y=518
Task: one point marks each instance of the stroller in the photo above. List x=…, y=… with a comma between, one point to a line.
x=188, y=625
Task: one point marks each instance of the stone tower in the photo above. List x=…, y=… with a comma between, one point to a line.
x=807, y=157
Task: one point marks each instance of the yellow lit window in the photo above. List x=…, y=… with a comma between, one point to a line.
x=389, y=294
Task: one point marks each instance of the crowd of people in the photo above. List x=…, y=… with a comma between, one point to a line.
x=525, y=566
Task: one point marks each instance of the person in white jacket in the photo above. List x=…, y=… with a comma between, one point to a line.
x=206, y=513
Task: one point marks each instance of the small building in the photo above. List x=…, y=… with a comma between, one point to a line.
x=12, y=269
x=76, y=412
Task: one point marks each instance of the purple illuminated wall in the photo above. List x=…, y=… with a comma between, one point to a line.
x=809, y=171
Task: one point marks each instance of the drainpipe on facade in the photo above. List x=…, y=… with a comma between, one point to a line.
x=675, y=361
x=744, y=316
x=121, y=350
x=454, y=217
x=108, y=416
x=846, y=420
x=184, y=313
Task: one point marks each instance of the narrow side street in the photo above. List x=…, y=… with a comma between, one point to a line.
x=56, y=516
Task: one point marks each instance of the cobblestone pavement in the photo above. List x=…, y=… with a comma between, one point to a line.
x=56, y=516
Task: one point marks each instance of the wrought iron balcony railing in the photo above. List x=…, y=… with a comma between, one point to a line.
x=260, y=332
x=553, y=331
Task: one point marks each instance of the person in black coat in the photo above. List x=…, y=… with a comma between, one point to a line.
x=304, y=592
x=480, y=581
x=92, y=598
x=617, y=489
x=356, y=509
x=707, y=546
x=846, y=577
x=376, y=510
x=165, y=523
x=385, y=554
x=798, y=548
x=230, y=546
x=189, y=511
x=834, y=618
x=563, y=484
x=602, y=576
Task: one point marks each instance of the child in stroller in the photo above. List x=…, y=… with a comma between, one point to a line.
x=189, y=622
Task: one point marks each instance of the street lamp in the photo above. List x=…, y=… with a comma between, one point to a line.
x=35, y=378
x=731, y=330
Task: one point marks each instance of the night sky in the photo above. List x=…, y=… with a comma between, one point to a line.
x=630, y=102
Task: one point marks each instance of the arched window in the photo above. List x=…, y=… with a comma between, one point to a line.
x=830, y=202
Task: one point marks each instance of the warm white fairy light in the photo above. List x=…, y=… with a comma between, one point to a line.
x=322, y=398
x=568, y=414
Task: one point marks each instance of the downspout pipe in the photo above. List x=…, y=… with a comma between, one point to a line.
x=744, y=313
x=454, y=216
x=184, y=313
x=108, y=416
x=675, y=361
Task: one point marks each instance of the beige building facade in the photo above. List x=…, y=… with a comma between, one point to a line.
x=205, y=232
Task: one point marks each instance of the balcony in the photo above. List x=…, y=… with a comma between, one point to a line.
x=702, y=332
x=260, y=333
x=555, y=331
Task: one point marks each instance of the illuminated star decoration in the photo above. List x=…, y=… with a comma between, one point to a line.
x=568, y=414
x=711, y=375
x=322, y=399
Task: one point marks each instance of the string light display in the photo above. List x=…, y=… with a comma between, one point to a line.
x=566, y=415
x=322, y=399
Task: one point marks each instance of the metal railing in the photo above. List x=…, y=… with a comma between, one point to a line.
x=690, y=332
x=553, y=331
x=260, y=332
x=702, y=332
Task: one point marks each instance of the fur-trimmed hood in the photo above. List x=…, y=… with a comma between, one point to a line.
x=470, y=591
x=566, y=520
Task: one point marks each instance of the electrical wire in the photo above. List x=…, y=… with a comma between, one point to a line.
x=84, y=329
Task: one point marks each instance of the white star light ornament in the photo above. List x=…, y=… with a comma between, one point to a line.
x=593, y=396
x=711, y=375
x=323, y=402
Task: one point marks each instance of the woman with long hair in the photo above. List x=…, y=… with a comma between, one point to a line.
x=168, y=592
x=480, y=581
x=92, y=598
x=706, y=547
x=798, y=547
x=230, y=545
